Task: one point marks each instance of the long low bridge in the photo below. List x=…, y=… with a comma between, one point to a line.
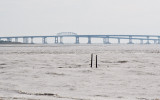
x=58, y=38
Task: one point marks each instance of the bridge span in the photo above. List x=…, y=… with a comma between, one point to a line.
x=58, y=38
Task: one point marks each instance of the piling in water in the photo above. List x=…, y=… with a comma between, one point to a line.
x=96, y=62
x=91, y=59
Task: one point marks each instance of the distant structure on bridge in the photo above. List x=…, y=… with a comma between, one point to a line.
x=58, y=38
x=66, y=34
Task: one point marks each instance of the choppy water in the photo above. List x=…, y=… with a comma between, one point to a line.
x=62, y=72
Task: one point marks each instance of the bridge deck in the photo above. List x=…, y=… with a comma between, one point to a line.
x=106, y=38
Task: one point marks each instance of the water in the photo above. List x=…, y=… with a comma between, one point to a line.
x=62, y=72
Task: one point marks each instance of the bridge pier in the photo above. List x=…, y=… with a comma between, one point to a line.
x=155, y=41
x=77, y=40
x=147, y=40
x=44, y=41
x=9, y=39
x=130, y=40
x=32, y=40
x=16, y=39
x=89, y=40
x=25, y=40
x=141, y=41
x=158, y=39
x=106, y=40
x=61, y=40
x=56, y=40
x=119, y=40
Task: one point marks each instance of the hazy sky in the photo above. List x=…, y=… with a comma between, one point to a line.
x=47, y=17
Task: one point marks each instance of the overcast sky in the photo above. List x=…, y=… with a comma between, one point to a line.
x=47, y=17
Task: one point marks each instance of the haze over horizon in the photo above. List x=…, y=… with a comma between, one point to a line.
x=48, y=17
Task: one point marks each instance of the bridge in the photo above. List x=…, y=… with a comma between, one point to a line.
x=58, y=38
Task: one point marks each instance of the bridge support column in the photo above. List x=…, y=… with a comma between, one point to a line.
x=25, y=40
x=16, y=39
x=119, y=40
x=106, y=40
x=147, y=40
x=77, y=40
x=155, y=41
x=9, y=39
x=56, y=40
x=61, y=40
x=159, y=40
x=89, y=40
x=141, y=41
x=32, y=40
x=130, y=40
x=44, y=41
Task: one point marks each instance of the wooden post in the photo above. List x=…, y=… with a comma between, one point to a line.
x=91, y=59
x=96, y=61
